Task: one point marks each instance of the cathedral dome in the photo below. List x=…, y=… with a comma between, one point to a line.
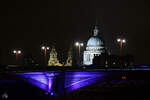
x=94, y=41
x=94, y=48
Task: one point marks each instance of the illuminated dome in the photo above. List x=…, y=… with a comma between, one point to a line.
x=94, y=48
x=94, y=41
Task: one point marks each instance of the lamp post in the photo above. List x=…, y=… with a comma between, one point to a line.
x=121, y=41
x=79, y=45
x=45, y=48
x=17, y=52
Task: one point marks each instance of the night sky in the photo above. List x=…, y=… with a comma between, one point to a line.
x=27, y=24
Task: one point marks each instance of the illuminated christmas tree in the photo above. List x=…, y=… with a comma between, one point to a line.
x=69, y=59
x=53, y=60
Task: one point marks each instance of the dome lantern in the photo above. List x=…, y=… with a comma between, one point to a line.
x=95, y=31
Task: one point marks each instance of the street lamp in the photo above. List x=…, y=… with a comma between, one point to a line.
x=45, y=48
x=17, y=52
x=121, y=41
x=79, y=45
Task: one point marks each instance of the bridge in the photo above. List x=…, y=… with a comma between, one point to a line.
x=59, y=83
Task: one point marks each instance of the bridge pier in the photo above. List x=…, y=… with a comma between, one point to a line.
x=56, y=83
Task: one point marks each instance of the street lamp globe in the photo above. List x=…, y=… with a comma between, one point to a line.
x=14, y=51
x=19, y=51
x=118, y=39
x=124, y=41
x=77, y=44
x=42, y=47
x=47, y=48
x=81, y=44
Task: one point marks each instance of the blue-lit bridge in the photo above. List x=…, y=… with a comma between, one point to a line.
x=64, y=82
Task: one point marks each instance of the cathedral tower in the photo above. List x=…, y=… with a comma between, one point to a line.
x=53, y=60
x=69, y=59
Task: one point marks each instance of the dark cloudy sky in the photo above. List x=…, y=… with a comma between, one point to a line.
x=26, y=24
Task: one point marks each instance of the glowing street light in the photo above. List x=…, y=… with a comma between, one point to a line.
x=45, y=48
x=17, y=52
x=79, y=45
x=121, y=41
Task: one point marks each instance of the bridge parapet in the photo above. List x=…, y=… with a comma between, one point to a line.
x=64, y=82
